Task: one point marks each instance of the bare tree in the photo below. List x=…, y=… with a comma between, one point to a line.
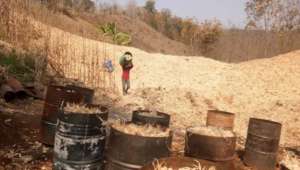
x=131, y=9
x=282, y=15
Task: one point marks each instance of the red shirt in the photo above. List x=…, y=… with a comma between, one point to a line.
x=125, y=75
x=126, y=72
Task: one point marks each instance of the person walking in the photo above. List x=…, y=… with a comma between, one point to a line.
x=127, y=65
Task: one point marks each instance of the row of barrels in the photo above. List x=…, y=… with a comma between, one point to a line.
x=82, y=141
x=262, y=143
x=261, y=146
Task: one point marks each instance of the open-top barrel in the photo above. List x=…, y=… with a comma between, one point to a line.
x=54, y=98
x=80, y=140
x=151, y=117
x=131, y=152
x=262, y=144
x=220, y=119
x=214, y=145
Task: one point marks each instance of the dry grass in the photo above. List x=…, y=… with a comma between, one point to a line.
x=243, y=45
x=211, y=131
x=146, y=130
x=62, y=54
x=197, y=166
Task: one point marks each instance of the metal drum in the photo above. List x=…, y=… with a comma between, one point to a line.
x=184, y=162
x=209, y=147
x=55, y=96
x=87, y=93
x=80, y=141
x=148, y=117
x=220, y=119
x=262, y=144
x=132, y=152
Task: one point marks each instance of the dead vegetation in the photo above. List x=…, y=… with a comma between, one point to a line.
x=150, y=30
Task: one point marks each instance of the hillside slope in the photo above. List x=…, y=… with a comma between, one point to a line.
x=186, y=87
x=143, y=36
x=147, y=38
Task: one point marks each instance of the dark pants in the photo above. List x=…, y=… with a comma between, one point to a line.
x=125, y=85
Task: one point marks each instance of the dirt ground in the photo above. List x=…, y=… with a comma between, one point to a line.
x=20, y=148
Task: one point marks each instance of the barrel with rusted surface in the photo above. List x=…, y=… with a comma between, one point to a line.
x=87, y=93
x=186, y=162
x=80, y=140
x=151, y=117
x=262, y=144
x=214, y=148
x=132, y=152
x=54, y=98
x=220, y=119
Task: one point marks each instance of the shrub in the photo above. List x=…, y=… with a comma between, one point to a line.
x=120, y=38
x=21, y=66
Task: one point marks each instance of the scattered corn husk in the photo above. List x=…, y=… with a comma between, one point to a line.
x=81, y=108
x=197, y=166
x=211, y=131
x=145, y=130
x=290, y=161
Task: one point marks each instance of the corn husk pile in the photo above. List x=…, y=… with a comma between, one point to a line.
x=81, y=108
x=139, y=130
x=212, y=131
x=197, y=166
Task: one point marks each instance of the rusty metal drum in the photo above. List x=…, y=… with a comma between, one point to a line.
x=187, y=162
x=209, y=147
x=87, y=93
x=262, y=144
x=132, y=152
x=80, y=140
x=220, y=119
x=54, y=98
x=153, y=118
